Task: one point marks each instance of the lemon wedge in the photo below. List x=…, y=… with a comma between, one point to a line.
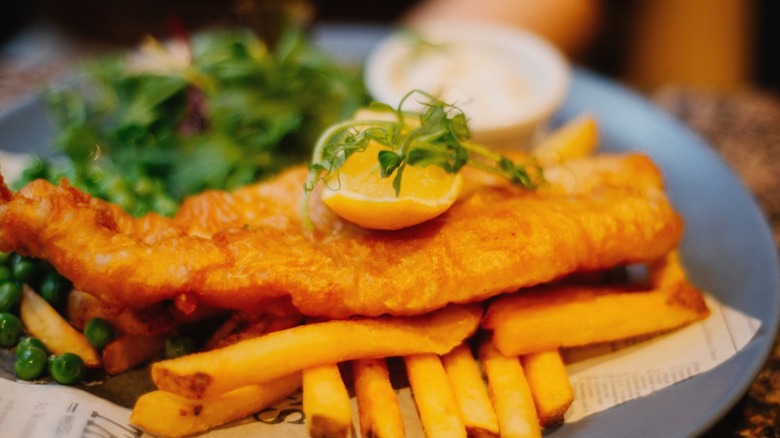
x=359, y=194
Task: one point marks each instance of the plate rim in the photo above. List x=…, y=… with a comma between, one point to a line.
x=765, y=338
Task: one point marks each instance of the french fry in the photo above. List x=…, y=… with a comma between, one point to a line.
x=378, y=408
x=326, y=403
x=82, y=307
x=165, y=414
x=567, y=316
x=210, y=373
x=577, y=138
x=510, y=393
x=433, y=396
x=668, y=271
x=470, y=392
x=128, y=351
x=45, y=323
x=223, y=332
x=550, y=386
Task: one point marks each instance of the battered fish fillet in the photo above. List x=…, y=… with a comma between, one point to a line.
x=248, y=248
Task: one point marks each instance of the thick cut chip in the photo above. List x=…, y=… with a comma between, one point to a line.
x=164, y=414
x=433, y=396
x=577, y=138
x=326, y=403
x=510, y=393
x=82, y=307
x=128, y=351
x=470, y=392
x=550, y=387
x=569, y=315
x=378, y=408
x=214, y=372
x=45, y=323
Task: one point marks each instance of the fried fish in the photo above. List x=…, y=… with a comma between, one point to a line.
x=248, y=249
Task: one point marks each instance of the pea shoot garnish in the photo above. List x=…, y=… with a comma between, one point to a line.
x=437, y=135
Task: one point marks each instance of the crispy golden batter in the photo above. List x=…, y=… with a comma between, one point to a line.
x=241, y=250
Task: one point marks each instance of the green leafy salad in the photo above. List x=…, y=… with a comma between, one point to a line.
x=218, y=111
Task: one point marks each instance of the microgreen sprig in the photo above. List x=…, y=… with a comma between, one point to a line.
x=437, y=135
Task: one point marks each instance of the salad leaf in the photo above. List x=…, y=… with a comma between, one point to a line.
x=218, y=111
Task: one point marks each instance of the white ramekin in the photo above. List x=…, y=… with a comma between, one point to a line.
x=521, y=79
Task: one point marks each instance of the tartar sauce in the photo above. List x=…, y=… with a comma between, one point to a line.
x=507, y=82
x=485, y=82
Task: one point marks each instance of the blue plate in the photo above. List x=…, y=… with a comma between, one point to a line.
x=727, y=248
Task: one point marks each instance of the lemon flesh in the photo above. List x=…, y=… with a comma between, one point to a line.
x=359, y=194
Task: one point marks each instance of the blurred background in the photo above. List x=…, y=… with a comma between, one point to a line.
x=645, y=43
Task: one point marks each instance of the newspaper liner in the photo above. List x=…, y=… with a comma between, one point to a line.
x=602, y=376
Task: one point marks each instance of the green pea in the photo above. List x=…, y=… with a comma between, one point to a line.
x=30, y=363
x=30, y=342
x=43, y=267
x=5, y=274
x=53, y=289
x=24, y=270
x=176, y=346
x=99, y=332
x=10, y=329
x=10, y=295
x=66, y=368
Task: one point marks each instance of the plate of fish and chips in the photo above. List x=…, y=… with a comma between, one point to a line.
x=726, y=250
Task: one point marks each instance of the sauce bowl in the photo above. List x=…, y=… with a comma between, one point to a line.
x=507, y=81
